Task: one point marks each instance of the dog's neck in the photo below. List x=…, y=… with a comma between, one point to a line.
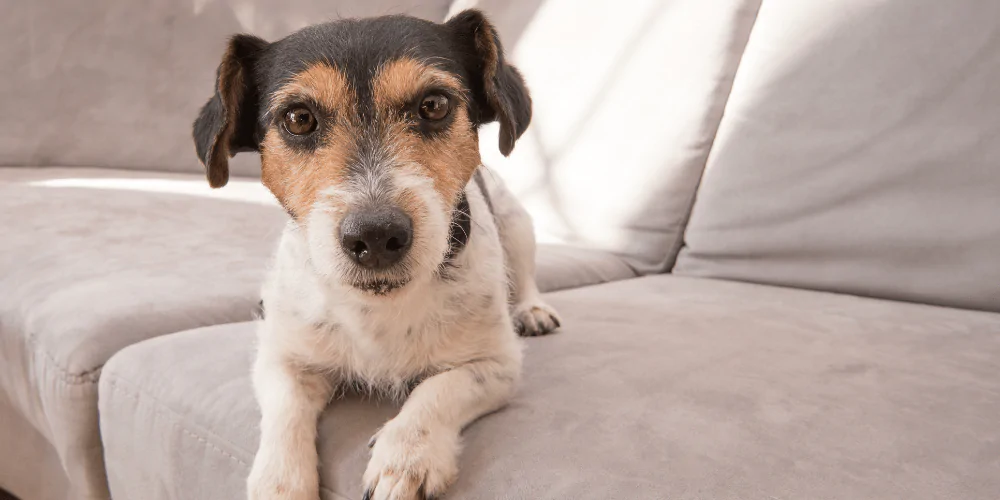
x=460, y=229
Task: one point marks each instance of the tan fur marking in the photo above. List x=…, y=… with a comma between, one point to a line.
x=403, y=80
x=451, y=157
x=296, y=178
x=320, y=82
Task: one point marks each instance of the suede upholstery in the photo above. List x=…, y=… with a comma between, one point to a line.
x=600, y=168
x=858, y=154
x=659, y=387
x=848, y=147
x=104, y=259
x=93, y=270
x=117, y=83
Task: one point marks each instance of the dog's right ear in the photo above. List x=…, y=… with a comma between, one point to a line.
x=227, y=123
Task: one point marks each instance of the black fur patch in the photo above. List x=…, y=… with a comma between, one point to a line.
x=357, y=47
x=466, y=46
x=458, y=234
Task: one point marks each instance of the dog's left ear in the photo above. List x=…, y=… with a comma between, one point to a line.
x=497, y=87
x=227, y=123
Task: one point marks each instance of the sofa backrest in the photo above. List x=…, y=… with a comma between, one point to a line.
x=117, y=83
x=860, y=153
x=627, y=98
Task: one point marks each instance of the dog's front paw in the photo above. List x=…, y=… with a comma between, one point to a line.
x=533, y=317
x=410, y=462
x=282, y=478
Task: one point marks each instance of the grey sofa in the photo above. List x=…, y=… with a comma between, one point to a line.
x=772, y=229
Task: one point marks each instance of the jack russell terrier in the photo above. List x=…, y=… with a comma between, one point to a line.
x=406, y=267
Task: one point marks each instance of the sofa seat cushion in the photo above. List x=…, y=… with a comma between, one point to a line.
x=559, y=267
x=102, y=259
x=94, y=260
x=658, y=387
x=30, y=467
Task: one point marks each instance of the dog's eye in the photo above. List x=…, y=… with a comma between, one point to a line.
x=299, y=121
x=434, y=107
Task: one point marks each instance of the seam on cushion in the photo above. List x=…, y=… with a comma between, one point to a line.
x=175, y=418
x=678, y=245
x=89, y=376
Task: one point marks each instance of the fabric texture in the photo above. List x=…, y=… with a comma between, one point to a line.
x=859, y=153
x=29, y=465
x=626, y=102
x=657, y=387
x=100, y=262
x=117, y=83
x=558, y=267
x=107, y=258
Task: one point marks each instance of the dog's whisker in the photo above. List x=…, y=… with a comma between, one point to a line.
x=471, y=219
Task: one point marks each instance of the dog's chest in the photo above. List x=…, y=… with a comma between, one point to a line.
x=403, y=341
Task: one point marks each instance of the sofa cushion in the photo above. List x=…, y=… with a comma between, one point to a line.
x=117, y=83
x=95, y=260
x=658, y=387
x=29, y=465
x=626, y=101
x=859, y=153
x=102, y=259
x=559, y=267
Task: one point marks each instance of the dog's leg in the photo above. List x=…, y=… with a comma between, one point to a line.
x=291, y=400
x=531, y=315
x=415, y=455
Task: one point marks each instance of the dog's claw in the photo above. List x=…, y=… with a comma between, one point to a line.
x=534, y=318
x=371, y=442
x=422, y=493
x=518, y=326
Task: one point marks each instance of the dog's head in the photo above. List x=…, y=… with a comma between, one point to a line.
x=367, y=134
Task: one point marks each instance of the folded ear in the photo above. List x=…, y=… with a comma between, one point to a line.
x=498, y=87
x=228, y=121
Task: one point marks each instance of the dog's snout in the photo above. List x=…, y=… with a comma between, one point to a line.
x=378, y=238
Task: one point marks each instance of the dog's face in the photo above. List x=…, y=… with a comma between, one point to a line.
x=367, y=131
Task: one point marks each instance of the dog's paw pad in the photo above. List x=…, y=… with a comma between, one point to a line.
x=533, y=318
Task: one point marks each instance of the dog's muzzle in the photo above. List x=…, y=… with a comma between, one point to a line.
x=376, y=238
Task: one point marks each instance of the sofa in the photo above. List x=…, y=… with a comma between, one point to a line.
x=771, y=227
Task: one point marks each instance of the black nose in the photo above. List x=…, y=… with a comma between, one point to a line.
x=377, y=238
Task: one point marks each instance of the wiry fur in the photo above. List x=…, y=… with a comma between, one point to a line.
x=439, y=326
x=455, y=336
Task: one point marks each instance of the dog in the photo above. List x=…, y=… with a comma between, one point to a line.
x=406, y=267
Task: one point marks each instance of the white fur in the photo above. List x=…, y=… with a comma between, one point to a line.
x=456, y=335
